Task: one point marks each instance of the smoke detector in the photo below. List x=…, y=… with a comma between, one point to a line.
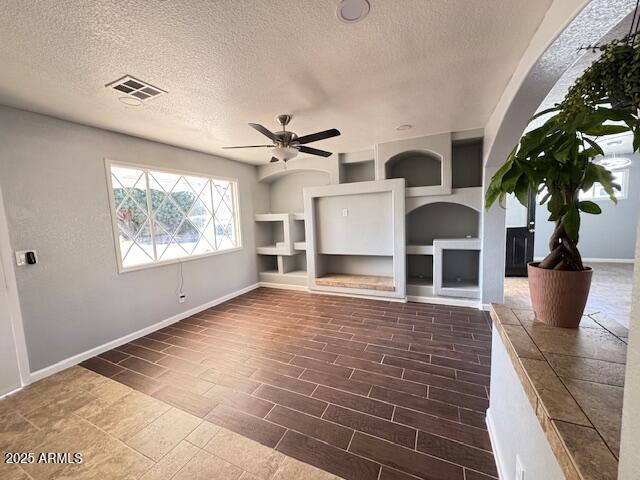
x=352, y=11
x=134, y=89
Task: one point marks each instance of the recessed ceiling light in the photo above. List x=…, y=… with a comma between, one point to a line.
x=351, y=11
x=406, y=126
x=130, y=101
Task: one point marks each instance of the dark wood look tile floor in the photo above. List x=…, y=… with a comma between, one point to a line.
x=363, y=389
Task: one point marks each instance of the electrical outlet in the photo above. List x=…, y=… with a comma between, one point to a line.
x=519, y=469
x=345, y=212
x=182, y=298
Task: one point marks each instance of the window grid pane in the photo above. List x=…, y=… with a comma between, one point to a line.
x=162, y=216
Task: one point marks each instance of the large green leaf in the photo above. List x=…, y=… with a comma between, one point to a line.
x=522, y=191
x=605, y=177
x=594, y=145
x=510, y=180
x=587, y=206
x=602, y=130
x=571, y=222
x=556, y=203
x=544, y=112
x=590, y=177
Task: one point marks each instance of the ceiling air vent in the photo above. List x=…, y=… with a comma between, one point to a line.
x=135, y=88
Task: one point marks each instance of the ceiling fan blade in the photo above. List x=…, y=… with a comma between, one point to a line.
x=273, y=160
x=314, y=137
x=315, y=151
x=263, y=131
x=251, y=146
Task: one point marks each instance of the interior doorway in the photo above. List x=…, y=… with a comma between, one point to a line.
x=14, y=368
x=521, y=225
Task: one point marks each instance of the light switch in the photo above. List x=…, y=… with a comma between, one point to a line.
x=345, y=212
x=26, y=257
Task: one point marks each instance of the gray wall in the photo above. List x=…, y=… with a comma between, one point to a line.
x=52, y=175
x=612, y=234
x=367, y=230
x=286, y=191
x=441, y=220
x=515, y=429
x=358, y=172
x=629, y=451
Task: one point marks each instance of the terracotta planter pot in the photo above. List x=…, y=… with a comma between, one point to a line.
x=558, y=297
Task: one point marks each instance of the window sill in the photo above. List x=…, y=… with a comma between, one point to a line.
x=164, y=263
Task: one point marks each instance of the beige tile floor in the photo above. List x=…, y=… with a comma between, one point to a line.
x=610, y=291
x=125, y=434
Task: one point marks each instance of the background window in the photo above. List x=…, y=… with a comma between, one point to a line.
x=596, y=192
x=162, y=216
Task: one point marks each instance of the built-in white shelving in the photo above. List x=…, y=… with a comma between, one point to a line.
x=355, y=238
x=419, y=249
x=347, y=227
x=284, y=233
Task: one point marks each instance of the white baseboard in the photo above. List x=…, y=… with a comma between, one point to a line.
x=597, y=260
x=454, y=302
x=71, y=361
x=4, y=395
x=355, y=295
x=284, y=286
x=494, y=445
x=608, y=260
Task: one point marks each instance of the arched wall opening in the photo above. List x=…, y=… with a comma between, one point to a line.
x=434, y=221
x=419, y=168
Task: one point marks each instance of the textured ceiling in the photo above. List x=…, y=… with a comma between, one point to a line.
x=440, y=65
x=583, y=60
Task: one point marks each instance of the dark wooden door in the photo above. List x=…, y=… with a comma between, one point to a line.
x=520, y=240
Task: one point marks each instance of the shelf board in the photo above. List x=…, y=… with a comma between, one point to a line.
x=293, y=273
x=468, y=289
x=269, y=272
x=296, y=277
x=271, y=250
x=457, y=243
x=463, y=284
x=419, y=249
x=298, y=216
x=296, y=273
x=270, y=217
x=420, y=282
x=299, y=245
x=363, y=282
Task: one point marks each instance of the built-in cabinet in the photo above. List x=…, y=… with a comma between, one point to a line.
x=401, y=220
x=355, y=242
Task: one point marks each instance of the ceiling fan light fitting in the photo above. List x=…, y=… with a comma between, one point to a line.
x=284, y=153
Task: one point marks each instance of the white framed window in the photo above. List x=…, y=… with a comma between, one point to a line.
x=163, y=216
x=597, y=192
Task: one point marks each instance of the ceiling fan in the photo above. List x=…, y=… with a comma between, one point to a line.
x=287, y=144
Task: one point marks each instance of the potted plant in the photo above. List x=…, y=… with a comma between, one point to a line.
x=558, y=160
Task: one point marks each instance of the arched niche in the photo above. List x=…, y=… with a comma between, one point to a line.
x=415, y=160
x=419, y=168
x=441, y=220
